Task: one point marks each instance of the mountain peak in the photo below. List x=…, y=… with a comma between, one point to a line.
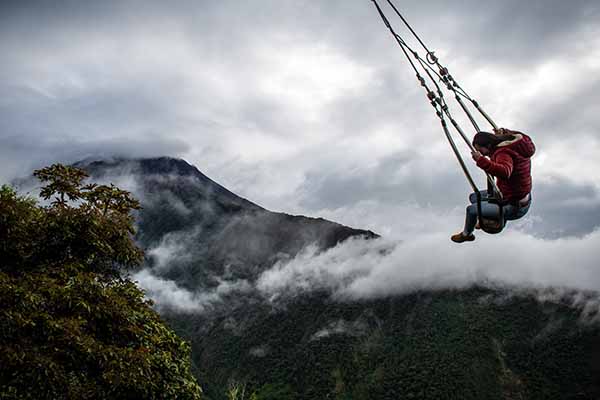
x=177, y=197
x=147, y=166
x=169, y=171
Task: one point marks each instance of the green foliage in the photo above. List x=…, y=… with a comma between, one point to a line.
x=236, y=391
x=275, y=391
x=469, y=344
x=70, y=326
x=268, y=391
x=88, y=225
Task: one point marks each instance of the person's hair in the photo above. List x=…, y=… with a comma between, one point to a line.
x=489, y=140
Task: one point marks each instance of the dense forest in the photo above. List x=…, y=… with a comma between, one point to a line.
x=479, y=343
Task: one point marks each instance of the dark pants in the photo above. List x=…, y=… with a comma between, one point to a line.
x=511, y=212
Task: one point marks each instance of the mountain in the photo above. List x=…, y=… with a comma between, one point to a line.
x=184, y=208
x=483, y=342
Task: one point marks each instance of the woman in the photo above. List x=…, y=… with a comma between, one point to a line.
x=509, y=161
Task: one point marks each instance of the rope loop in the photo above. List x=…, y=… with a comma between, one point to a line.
x=431, y=58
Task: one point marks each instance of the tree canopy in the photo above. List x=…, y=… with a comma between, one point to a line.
x=72, y=325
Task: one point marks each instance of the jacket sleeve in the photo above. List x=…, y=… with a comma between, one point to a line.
x=501, y=167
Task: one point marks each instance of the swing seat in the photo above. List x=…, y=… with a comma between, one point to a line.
x=490, y=225
x=492, y=222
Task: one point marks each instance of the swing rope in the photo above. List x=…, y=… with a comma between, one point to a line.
x=437, y=99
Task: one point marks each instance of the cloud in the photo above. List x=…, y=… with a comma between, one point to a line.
x=358, y=269
x=562, y=270
x=299, y=87
x=45, y=151
x=168, y=296
x=402, y=177
x=562, y=208
x=341, y=327
x=172, y=248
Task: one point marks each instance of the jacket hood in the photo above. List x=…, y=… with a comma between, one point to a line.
x=522, y=144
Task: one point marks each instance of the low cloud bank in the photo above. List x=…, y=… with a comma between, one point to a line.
x=564, y=270
x=366, y=269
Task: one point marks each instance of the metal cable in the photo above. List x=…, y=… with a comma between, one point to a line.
x=409, y=27
x=439, y=102
x=451, y=82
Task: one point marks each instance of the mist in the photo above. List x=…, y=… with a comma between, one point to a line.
x=168, y=296
x=520, y=264
x=367, y=269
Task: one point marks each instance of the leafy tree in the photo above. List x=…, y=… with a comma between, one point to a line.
x=71, y=327
x=275, y=391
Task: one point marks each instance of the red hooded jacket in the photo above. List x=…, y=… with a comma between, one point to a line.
x=510, y=163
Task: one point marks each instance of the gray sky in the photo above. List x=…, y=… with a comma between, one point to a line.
x=308, y=106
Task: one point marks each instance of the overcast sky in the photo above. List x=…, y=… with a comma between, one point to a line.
x=308, y=106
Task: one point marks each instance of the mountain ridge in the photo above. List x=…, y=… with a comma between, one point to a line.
x=182, y=205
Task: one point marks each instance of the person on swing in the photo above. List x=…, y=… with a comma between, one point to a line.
x=506, y=155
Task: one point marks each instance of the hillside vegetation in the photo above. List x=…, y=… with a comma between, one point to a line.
x=469, y=344
x=71, y=327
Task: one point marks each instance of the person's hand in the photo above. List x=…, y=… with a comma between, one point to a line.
x=476, y=155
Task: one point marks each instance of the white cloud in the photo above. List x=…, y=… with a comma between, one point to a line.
x=376, y=268
x=169, y=250
x=341, y=327
x=168, y=295
x=577, y=165
x=310, y=76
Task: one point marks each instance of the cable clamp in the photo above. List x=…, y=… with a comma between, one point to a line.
x=431, y=58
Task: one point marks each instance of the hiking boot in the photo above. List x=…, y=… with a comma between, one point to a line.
x=459, y=238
